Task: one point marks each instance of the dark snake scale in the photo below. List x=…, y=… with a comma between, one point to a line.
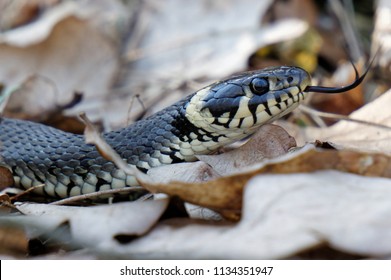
x=214, y=116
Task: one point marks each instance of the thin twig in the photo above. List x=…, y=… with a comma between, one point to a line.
x=9, y=205
x=350, y=33
x=29, y=190
x=340, y=117
x=95, y=195
x=135, y=97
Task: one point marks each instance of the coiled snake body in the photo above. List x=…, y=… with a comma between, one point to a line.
x=214, y=116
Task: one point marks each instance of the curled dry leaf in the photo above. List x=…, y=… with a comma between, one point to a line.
x=36, y=99
x=21, y=12
x=269, y=141
x=56, y=47
x=37, y=31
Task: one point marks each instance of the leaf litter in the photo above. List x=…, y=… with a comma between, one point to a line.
x=116, y=219
x=283, y=215
x=56, y=38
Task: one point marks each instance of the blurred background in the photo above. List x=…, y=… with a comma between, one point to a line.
x=121, y=60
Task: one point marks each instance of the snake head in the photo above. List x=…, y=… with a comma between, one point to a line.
x=242, y=103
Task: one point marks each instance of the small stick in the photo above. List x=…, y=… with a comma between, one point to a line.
x=341, y=117
x=29, y=190
x=95, y=195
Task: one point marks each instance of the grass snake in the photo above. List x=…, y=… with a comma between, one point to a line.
x=201, y=123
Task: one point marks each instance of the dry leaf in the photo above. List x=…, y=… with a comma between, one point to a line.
x=349, y=212
x=184, y=172
x=90, y=226
x=6, y=178
x=17, y=13
x=24, y=103
x=269, y=141
x=283, y=215
x=56, y=47
x=36, y=100
x=5, y=204
x=350, y=135
x=381, y=37
x=198, y=212
x=13, y=240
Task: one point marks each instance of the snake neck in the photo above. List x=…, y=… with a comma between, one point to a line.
x=164, y=138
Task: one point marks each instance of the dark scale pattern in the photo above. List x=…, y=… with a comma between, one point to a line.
x=224, y=98
x=186, y=128
x=43, y=153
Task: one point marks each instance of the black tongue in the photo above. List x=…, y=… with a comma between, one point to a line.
x=358, y=80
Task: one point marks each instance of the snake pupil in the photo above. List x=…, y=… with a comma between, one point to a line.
x=259, y=86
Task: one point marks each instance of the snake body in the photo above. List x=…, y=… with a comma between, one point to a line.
x=206, y=120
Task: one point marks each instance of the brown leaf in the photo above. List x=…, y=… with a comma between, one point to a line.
x=36, y=100
x=56, y=47
x=6, y=178
x=5, y=204
x=13, y=240
x=269, y=141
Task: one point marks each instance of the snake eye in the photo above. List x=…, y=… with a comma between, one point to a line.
x=259, y=86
